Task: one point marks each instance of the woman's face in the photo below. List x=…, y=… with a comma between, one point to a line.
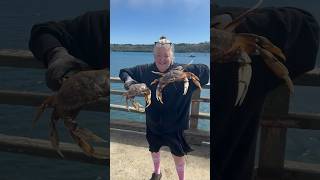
x=163, y=58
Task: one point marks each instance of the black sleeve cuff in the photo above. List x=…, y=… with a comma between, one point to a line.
x=123, y=75
x=41, y=45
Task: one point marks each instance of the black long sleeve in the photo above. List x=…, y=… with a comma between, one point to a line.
x=200, y=70
x=173, y=115
x=86, y=37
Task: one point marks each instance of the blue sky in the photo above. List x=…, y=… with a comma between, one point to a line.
x=144, y=21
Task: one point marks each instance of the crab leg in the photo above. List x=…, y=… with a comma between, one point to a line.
x=127, y=105
x=88, y=135
x=86, y=147
x=277, y=68
x=136, y=105
x=251, y=43
x=244, y=77
x=185, y=86
x=79, y=136
x=46, y=103
x=54, y=137
x=154, y=82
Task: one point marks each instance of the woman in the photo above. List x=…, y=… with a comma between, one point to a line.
x=166, y=122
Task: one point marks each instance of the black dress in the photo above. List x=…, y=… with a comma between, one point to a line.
x=166, y=122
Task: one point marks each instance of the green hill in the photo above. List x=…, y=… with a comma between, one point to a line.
x=182, y=47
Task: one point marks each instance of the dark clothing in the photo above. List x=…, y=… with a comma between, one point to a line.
x=235, y=128
x=175, y=141
x=85, y=37
x=173, y=115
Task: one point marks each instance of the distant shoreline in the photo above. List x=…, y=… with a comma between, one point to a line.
x=179, y=48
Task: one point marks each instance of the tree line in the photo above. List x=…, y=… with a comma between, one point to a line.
x=181, y=47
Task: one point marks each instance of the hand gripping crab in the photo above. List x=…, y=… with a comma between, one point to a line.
x=136, y=90
x=175, y=74
x=228, y=46
x=76, y=91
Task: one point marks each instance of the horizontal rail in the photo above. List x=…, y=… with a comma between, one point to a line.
x=120, y=92
x=117, y=80
x=124, y=108
x=194, y=136
x=18, y=58
x=293, y=120
x=301, y=171
x=311, y=78
x=117, y=107
x=293, y=170
x=43, y=148
x=36, y=99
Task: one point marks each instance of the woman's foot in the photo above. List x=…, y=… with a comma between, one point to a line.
x=156, y=176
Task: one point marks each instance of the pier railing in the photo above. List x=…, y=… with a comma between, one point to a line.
x=40, y=147
x=275, y=122
x=194, y=135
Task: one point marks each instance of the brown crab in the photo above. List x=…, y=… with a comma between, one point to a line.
x=136, y=90
x=228, y=46
x=76, y=91
x=175, y=74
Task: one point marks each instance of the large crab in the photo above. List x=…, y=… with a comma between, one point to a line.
x=173, y=75
x=136, y=90
x=76, y=91
x=228, y=46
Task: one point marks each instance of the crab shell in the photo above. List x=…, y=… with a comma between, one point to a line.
x=136, y=90
x=176, y=74
x=78, y=90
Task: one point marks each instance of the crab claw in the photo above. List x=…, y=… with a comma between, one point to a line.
x=147, y=98
x=244, y=77
x=154, y=82
x=79, y=136
x=160, y=98
x=88, y=135
x=277, y=68
x=86, y=147
x=185, y=86
x=159, y=94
